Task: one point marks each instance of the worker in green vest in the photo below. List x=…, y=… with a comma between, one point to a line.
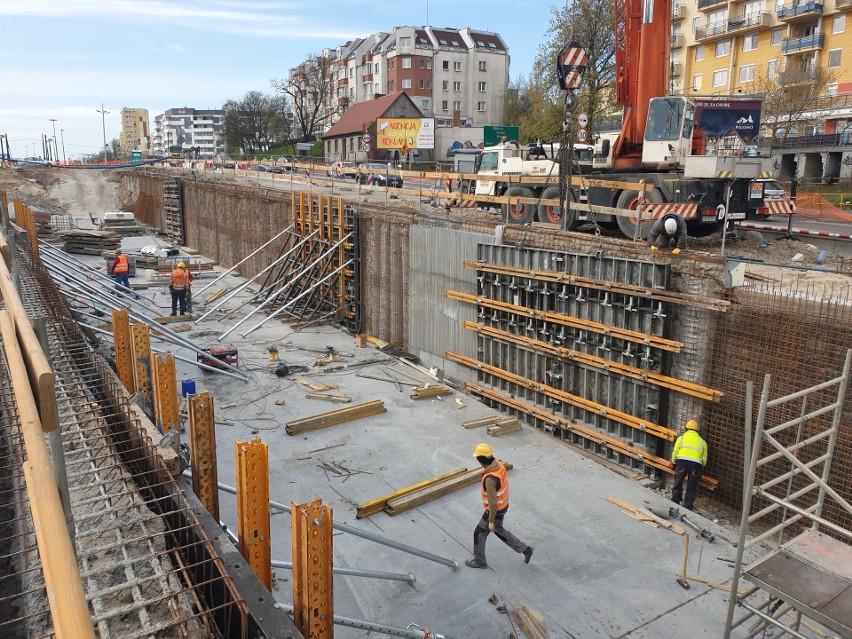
x=689, y=457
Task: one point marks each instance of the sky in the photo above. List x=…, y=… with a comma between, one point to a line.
x=64, y=59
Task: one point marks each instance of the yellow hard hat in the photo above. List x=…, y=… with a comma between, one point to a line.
x=181, y=264
x=692, y=425
x=483, y=450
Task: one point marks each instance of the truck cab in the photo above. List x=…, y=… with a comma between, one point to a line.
x=507, y=159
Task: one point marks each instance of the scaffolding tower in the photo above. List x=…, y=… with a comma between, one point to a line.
x=805, y=573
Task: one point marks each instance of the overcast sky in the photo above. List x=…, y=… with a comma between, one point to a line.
x=63, y=58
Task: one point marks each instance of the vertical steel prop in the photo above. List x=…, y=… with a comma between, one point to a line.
x=313, y=580
x=252, y=468
x=202, y=436
x=165, y=394
x=123, y=349
x=141, y=341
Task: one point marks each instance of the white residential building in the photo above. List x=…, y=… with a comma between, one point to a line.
x=184, y=129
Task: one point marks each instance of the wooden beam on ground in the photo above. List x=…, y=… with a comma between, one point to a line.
x=378, y=504
x=425, y=392
x=337, y=399
x=324, y=420
x=504, y=426
x=482, y=421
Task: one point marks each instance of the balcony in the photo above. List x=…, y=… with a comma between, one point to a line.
x=796, y=77
x=711, y=30
x=368, y=77
x=343, y=101
x=677, y=40
x=367, y=58
x=343, y=62
x=704, y=5
x=748, y=21
x=677, y=69
x=678, y=11
x=342, y=82
x=808, y=43
x=798, y=11
x=842, y=4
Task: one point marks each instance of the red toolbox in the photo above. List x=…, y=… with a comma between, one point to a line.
x=219, y=353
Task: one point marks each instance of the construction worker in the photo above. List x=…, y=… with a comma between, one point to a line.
x=667, y=231
x=495, y=499
x=119, y=270
x=688, y=460
x=179, y=283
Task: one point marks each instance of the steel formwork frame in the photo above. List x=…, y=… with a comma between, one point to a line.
x=795, y=456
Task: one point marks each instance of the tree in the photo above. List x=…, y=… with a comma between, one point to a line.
x=530, y=106
x=255, y=122
x=591, y=22
x=309, y=89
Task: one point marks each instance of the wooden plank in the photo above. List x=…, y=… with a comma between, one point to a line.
x=337, y=399
x=378, y=504
x=646, y=515
x=425, y=392
x=482, y=421
x=331, y=418
x=504, y=426
x=530, y=621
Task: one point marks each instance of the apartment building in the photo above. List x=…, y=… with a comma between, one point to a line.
x=732, y=47
x=134, y=130
x=457, y=76
x=183, y=130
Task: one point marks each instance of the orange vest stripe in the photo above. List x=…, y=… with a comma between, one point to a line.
x=502, y=487
x=122, y=266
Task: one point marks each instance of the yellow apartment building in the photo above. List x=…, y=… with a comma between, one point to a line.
x=747, y=47
x=134, y=130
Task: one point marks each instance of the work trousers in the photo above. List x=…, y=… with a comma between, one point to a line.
x=179, y=298
x=690, y=472
x=480, y=534
x=122, y=279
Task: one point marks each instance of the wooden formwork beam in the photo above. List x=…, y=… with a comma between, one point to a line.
x=123, y=341
x=600, y=363
x=339, y=416
x=166, y=394
x=66, y=596
x=5, y=252
x=252, y=468
x=557, y=318
x=313, y=580
x=141, y=341
x=41, y=377
x=569, y=398
x=378, y=504
x=202, y=435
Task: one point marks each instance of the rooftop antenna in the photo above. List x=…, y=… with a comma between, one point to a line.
x=427, y=13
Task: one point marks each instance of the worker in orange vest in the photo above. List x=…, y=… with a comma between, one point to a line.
x=495, y=499
x=119, y=270
x=179, y=283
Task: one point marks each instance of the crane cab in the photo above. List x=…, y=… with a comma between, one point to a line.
x=668, y=133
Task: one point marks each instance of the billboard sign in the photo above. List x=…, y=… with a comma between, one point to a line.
x=493, y=135
x=731, y=125
x=411, y=133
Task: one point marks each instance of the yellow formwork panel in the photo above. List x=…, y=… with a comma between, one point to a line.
x=123, y=349
x=313, y=581
x=141, y=340
x=202, y=435
x=252, y=468
x=165, y=393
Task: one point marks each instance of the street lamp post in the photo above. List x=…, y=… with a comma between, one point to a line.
x=55, y=147
x=62, y=135
x=103, y=113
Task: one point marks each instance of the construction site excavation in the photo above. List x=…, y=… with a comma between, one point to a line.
x=285, y=447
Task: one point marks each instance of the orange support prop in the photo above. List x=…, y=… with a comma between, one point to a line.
x=252, y=462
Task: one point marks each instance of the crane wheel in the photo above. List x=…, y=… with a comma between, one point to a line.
x=519, y=212
x=630, y=200
x=554, y=214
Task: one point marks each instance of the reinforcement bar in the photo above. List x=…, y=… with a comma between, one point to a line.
x=657, y=294
x=575, y=400
x=600, y=363
x=567, y=320
x=583, y=431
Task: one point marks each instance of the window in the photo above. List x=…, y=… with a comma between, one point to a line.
x=376, y=68
x=406, y=83
x=834, y=58
x=377, y=88
x=696, y=22
x=696, y=82
x=772, y=69
x=481, y=87
x=480, y=106
x=445, y=65
x=405, y=42
x=717, y=17
x=777, y=36
x=753, y=8
x=457, y=105
x=445, y=106
x=720, y=78
x=747, y=73
x=424, y=105
x=406, y=63
x=838, y=25
x=699, y=53
x=750, y=42
x=482, y=62
x=457, y=66
x=456, y=86
x=422, y=63
x=391, y=86
x=445, y=85
x=723, y=48
x=425, y=84
x=368, y=88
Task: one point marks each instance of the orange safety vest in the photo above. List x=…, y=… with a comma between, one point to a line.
x=122, y=266
x=179, y=279
x=502, y=487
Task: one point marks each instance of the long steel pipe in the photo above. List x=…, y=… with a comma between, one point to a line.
x=357, y=572
x=390, y=543
x=414, y=632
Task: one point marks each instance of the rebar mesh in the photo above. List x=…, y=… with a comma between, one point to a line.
x=800, y=336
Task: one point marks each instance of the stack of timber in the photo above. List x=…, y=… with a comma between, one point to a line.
x=425, y=392
x=402, y=503
x=324, y=420
x=126, y=228
x=86, y=242
x=482, y=421
x=503, y=426
x=530, y=621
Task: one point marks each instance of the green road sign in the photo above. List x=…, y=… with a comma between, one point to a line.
x=493, y=135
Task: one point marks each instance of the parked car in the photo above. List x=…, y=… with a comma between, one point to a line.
x=261, y=168
x=378, y=174
x=343, y=169
x=274, y=168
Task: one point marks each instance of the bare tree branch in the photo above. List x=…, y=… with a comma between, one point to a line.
x=309, y=90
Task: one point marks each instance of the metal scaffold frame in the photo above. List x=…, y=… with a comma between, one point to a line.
x=806, y=573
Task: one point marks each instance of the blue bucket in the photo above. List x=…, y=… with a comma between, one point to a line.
x=187, y=387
